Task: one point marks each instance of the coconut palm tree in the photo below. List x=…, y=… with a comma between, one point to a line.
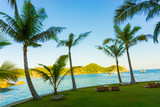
x=131, y=8
x=126, y=36
x=71, y=42
x=27, y=30
x=53, y=74
x=115, y=51
x=8, y=72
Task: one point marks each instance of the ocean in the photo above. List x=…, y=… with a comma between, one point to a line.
x=21, y=92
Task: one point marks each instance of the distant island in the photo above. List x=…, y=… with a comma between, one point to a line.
x=91, y=68
x=88, y=69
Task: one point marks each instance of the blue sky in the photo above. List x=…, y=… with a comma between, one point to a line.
x=81, y=16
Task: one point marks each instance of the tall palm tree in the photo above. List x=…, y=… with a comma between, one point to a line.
x=3, y=42
x=131, y=8
x=53, y=74
x=71, y=42
x=8, y=71
x=126, y=36
x=115, y=51
x=27, y=30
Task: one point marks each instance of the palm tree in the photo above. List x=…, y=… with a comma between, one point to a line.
x=115, y=51
x=136, y=7
x=3, y=42
x=53, y=74
x=126, y=36
x=27, y=30
x=8, y=71
x=71, y=42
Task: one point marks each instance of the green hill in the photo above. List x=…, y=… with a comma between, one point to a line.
x=88, y=69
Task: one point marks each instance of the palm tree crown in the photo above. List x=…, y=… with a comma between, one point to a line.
x=27, y=29
x=127, y=35
x=131, y=8
x=115, y=50
x=71, y=42
x=53, y=73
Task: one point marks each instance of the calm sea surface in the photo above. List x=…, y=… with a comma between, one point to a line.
x=22, y=91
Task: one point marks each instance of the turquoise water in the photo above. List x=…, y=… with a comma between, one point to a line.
x=22, y=91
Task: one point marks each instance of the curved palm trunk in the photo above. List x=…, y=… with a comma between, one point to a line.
x=72, y=75
x=130, y=67
x=29, y=81
x=119, y=77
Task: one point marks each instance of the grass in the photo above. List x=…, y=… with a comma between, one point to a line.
x=128, y=96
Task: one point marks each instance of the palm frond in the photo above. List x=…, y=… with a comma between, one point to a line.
x=7, y=29
x=70, y=40
x=9, y=71
x=142, y=38
x=156, y=31
x=129, y=9
x=155, y=11
x=120, y=50
x=62, y=43
x=152, y=37
x=44, y=75
x=118, y=31
x=108, y=40
x=13, y=4
x=11, y=21
x=137, y=39
x=99, y=47
x=114, y=50
x=59, y=66
x=47, y=68
x=127, y=29
x=120, y=34
x=50, y=33
x=34, y=44
x=80, y=37
x=135, y=29
x=3, y=42
x=107, y=50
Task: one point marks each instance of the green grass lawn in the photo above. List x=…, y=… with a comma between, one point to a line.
x=128, y=96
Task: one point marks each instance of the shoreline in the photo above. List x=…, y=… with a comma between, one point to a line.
x=44, y=95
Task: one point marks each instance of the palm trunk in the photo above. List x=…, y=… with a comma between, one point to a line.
x=28, y=78
x=72, y=75
x=119, y=77
x=130, y=67
x=55, y=91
